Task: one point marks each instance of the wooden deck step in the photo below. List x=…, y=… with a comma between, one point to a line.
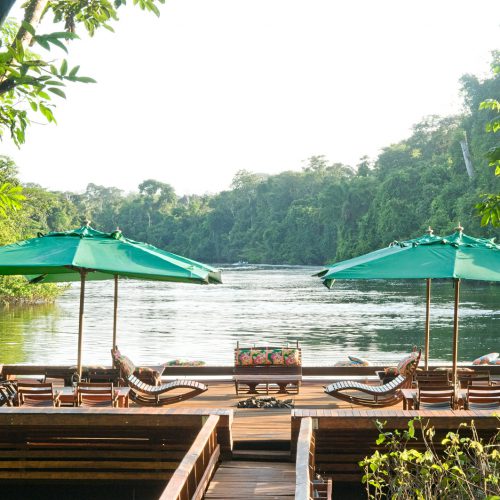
x=251, y=479
x=262, y=455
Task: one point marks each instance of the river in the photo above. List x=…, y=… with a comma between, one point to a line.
x=377, y=320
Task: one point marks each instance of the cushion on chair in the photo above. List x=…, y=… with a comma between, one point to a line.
x=275, y=357
x=262, y=356
x=148, y=375
x=259, y=356
x=124, y=363
x=184, y=362
x=291, y=356
x=406, y=363
x=486, y=359
x=359, y=361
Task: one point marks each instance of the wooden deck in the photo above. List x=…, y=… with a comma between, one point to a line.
x=255, y=480
x=264, y=424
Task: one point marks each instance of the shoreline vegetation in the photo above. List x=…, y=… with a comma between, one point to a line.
x=16, y=291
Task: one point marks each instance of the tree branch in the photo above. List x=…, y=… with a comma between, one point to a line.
x=32, y=16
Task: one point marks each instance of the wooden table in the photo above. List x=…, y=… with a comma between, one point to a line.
x=67, y=396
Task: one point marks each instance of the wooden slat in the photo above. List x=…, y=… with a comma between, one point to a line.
x=302, y=464
x=178, y=482
x=83, y=475
x=255, y=480
x=87, y=464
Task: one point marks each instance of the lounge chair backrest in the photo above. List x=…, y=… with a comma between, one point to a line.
x=127, y=368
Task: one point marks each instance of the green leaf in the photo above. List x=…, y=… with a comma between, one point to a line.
x=60, y=45
x=74, y=71
x=65, y=35
x=43, y=42
x=85, y=79
x=46, y=112
x=64, y=67
x=57, y=91
x=27, y=26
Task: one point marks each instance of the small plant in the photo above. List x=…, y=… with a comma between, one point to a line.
x=462, y=468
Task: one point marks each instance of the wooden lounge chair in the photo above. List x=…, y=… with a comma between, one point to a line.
x=146, y=394
x=482, y=397
x=435, y=398
x=95, y=395
x=8, y=393
x=430, y=378
x=155, y=395
x=376, y=396
x=36, y=394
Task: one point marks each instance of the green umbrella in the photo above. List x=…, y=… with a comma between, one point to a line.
x=85, y=253
x=457, y=256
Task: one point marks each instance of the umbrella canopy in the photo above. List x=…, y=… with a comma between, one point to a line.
x=456, y=256
x=64, y=255
x=85, y=253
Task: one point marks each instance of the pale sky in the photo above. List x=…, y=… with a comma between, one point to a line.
x=215, y=86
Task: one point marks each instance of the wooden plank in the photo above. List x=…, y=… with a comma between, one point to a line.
x=207, y=475
x=86, y=464
x=303, y=480
x=201, y=371
x=178, y=482
x=85, y=475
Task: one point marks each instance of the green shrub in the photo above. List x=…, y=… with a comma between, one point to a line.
x=16, y=290
x=464, y=467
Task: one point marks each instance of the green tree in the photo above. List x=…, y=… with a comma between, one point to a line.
x=29, y=81
x=489, y=208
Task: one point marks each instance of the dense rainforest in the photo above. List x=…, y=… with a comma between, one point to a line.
x=327, y=211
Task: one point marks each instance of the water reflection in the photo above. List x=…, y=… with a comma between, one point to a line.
x=160, y=321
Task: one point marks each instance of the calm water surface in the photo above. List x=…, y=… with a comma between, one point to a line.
x=378, y=320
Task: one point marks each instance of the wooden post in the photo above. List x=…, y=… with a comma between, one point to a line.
x=115, y=311
x=455, y=330
x=80, y=322
x=427, y=324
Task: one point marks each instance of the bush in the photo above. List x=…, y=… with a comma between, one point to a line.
x=17, y=290
x=464, y=468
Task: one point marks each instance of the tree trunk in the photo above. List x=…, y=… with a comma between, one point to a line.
x=33, y=15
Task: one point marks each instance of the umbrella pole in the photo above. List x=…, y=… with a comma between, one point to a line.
x=80, y=322
x=115, y=311
x=427, y=323
x=455, y=330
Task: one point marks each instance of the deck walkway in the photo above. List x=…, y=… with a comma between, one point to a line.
x=260, y=424
x=255, y=480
